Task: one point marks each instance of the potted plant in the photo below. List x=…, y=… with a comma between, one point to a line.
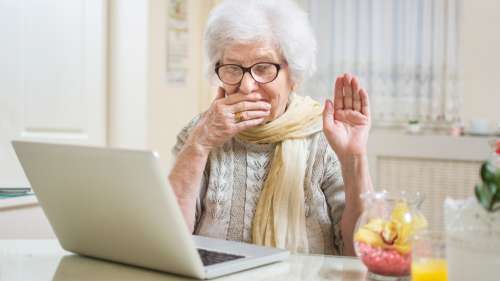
x=473, y=228
x=413, y=126
x=488, y=191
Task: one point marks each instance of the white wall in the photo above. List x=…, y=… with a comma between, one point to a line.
x=146, y=112
x=171, y=106
x=480, y=54
x=127, y=73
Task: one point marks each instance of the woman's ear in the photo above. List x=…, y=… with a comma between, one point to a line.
x=293, y=84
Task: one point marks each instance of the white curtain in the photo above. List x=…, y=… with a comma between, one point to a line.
x=404, y=51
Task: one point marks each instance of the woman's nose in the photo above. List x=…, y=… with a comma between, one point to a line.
x=248, y=84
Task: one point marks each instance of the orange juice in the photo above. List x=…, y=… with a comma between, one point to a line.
x=429, y=270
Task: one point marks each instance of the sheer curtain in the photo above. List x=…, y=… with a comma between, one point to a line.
x=405, y=53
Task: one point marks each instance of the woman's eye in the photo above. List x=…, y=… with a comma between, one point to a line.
x=231, y=70
x=262, y=68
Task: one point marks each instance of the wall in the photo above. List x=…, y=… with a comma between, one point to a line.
x=127, y=73
x=480, y=54
x=171, y=107
x=145, y=112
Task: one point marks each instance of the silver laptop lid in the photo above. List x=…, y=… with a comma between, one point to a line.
x=112, y=204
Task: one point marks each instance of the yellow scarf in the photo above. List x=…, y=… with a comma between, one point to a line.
x=279, y=219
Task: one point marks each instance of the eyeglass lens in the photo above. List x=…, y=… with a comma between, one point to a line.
x=261, y=72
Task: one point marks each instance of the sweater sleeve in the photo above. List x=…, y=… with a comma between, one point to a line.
x=181, y=140
x=333, y=187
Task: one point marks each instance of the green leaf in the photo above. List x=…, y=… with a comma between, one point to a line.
x=497, y=195
x=492, y=187
x=493, y=190
x=488, y=193
x=484, y=196
x=488, y=173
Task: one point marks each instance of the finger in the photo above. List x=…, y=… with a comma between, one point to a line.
x=356, y=99
x=241, y=126
x=365, y=102
x=253, y=114
x=347, y=91
x=250, y=105
x=239, y=97
x=221, y=93
x=328, y=113
x=338, y=100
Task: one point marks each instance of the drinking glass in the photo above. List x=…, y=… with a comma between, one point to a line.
x=429, y=257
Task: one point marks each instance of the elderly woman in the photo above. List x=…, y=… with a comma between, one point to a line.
x=263, y=164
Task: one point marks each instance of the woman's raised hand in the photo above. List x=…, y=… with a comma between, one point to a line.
x=227, y=116
x=346, y=118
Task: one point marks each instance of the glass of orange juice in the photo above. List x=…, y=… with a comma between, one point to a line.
x=429, y=257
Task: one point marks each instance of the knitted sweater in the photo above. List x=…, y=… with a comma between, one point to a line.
x=232, y=182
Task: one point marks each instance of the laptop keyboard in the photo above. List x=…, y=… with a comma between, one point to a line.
x=211, y=257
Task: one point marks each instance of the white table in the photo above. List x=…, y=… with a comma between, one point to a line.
x=45, y=260
x=22, y=218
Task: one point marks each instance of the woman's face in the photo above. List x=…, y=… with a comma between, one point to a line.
x=276, y=92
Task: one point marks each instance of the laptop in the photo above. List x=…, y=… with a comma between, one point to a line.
x=117, y=205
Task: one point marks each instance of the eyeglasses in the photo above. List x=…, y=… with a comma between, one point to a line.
x=262, y=72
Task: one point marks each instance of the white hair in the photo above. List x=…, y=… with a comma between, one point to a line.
x=280, y=22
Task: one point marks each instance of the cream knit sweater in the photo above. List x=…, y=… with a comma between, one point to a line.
x=232, y=183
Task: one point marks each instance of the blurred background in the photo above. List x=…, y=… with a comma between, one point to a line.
x=130, y=74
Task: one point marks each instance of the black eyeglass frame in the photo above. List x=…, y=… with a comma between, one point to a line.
x=249, y=70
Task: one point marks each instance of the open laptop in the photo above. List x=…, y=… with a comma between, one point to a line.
x=117, y=205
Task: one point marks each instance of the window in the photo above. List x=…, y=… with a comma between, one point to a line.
x=405, y=53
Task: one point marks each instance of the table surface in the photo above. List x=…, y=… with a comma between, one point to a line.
x=45, y=260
